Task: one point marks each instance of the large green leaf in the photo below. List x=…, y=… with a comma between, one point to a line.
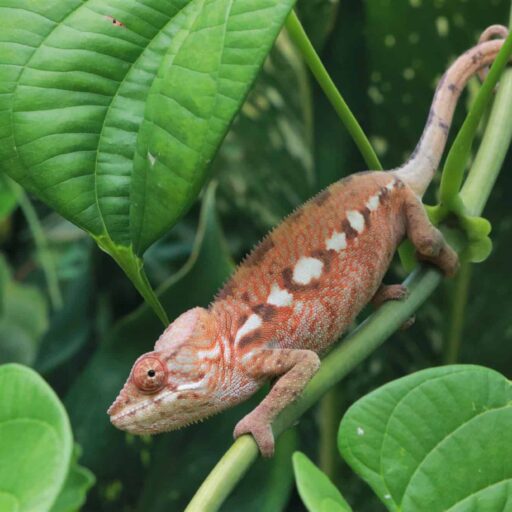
x=437, y=440
x=111, y=111
x=35, y=442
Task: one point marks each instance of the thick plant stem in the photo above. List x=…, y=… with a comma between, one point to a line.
x=226, y=474
x=329, y=417
x=376, y=329
x=301, y=40
x=492, y=152
x=459, y=301
x=43, y=251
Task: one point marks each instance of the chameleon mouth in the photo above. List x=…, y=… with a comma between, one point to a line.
x=117, y=417
x=127, y=417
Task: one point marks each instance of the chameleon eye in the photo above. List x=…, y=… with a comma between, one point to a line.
x=149, y=374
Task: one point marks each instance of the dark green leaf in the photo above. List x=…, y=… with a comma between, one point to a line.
x=19, y=338
x=265, y=167
x=69, y=328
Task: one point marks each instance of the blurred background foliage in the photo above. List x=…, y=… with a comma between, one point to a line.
x=285, y=145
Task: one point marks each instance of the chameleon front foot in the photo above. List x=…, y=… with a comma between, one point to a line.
x=260, y=430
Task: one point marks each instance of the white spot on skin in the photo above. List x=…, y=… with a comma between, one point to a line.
x=307, y=269
x=337, y=242
x=390, y=185
x=213, y=353
x=356, y=220
x=152, y=159
x=226, y=345
x=360, y=431
x=373, y=203
x=253, y=322
x=191, y=385
x=279, y=297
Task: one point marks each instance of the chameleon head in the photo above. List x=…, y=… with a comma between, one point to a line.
x=170, y=387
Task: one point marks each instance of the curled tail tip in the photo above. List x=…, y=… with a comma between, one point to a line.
x=490, y=33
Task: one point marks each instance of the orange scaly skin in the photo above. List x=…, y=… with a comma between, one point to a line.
x=298, y=291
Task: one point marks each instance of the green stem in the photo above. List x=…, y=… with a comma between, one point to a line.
x=492, y=152
x=376, y=329
x=41, y=243
x=329, y=418
x=227, y=473
x=458, y=300
x=133, y=267
x=301, y=40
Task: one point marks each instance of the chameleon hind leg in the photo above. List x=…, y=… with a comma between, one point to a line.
x=428, y=241
x=293, y=369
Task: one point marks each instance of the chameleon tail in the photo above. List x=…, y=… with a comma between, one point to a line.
x=419, y=170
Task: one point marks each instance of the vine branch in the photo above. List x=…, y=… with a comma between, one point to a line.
x=301, y=40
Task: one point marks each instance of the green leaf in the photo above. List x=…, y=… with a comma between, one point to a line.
x=8, y=197
x=437, y=440
x=70, y=327
x=478, y=250
x=264, y=166
x=115, y=126
x=19, y=339
x=329, y=505
x=78, y=482
x=315, y=488
x=35, y=441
